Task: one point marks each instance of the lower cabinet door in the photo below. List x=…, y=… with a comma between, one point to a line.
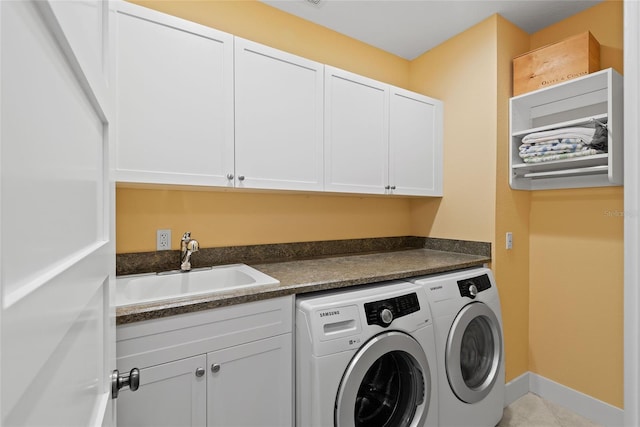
x=251, y=384
x=171, y=394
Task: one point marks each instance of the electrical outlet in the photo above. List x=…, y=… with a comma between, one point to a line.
x=163, y=240
x=509, y=239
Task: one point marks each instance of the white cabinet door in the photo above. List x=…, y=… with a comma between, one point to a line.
x=251, y=384
x=171, y=394
x=415, y=144
x=174, y=100
x=278, y=119
x=57, y=252
x=356, y=138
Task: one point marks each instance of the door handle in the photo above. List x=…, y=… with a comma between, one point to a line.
x=118, y=381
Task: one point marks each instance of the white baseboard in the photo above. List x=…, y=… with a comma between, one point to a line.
x=516, y=388
x=593, y=409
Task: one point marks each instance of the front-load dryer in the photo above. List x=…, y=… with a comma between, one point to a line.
x=469, y=342
x=366, y=357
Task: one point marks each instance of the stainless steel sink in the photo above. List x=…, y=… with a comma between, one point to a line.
x=153, y=287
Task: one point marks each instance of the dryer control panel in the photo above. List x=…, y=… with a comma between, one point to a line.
x=383, y=312
x=471, y=287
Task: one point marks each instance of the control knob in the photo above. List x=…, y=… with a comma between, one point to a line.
x=473, y=290
x=386, y=316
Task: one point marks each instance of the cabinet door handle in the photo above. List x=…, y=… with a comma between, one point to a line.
x=241, y=177
x=199, y=372
x=215, y=368
x=393, y=187
x=229, y=176
x=386, y=187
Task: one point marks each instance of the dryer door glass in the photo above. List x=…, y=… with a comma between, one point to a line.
x=477, y=352
x=474, y=351
x=390, y=391
x=387, y=383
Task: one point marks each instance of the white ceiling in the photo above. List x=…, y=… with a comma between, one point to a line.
x=408, y=28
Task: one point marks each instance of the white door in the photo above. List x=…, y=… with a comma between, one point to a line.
x=356, y=134
x=251, y=384
x=57, y=337
x=174, y=100
x=279, y=118
x=415, y=144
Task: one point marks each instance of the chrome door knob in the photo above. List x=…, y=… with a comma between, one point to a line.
x=229, y=176
x=215, y=368
x=131, y=379
x=241, y=177
x=199, y=372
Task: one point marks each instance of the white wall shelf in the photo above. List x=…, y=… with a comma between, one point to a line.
x=586, y=101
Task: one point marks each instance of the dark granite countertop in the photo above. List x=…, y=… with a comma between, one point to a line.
x=310, y=275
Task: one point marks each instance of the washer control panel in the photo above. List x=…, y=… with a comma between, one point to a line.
x=471, y=287
x=383, y=312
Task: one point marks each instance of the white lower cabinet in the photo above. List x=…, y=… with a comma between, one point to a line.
x=170, y=394
x=231, y=366
x=247, y=386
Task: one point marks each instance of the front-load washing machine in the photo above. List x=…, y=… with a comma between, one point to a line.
x=470, y=353
x=366, y=357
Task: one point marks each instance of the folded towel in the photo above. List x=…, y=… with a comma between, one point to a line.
x=582, y=133
x=563, y=145
x=563, y=156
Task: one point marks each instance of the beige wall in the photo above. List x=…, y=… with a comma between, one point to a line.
x=511, y=267
x=471, y=73
x=576, y=256
x=242, y=218
x=461, y=72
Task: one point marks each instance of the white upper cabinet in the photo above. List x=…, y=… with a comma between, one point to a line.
x=200, y=107
x=174, y=100
x=278, y=119
x=356, y=138
x=380, y=139
x=415, y=144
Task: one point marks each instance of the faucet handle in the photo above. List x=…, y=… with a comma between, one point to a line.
x=186, y=236
x=193, y=246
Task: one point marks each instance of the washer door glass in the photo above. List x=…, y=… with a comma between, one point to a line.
x=474, y=351
x=387, y=383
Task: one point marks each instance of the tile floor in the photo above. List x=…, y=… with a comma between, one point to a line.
x=533, y=411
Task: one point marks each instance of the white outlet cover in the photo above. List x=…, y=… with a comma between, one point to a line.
x=163, y=240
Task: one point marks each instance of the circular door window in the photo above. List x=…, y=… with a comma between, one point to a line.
x=387, y=383
x=474, y=351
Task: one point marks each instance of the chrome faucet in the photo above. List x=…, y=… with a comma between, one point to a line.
x=187, y=247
